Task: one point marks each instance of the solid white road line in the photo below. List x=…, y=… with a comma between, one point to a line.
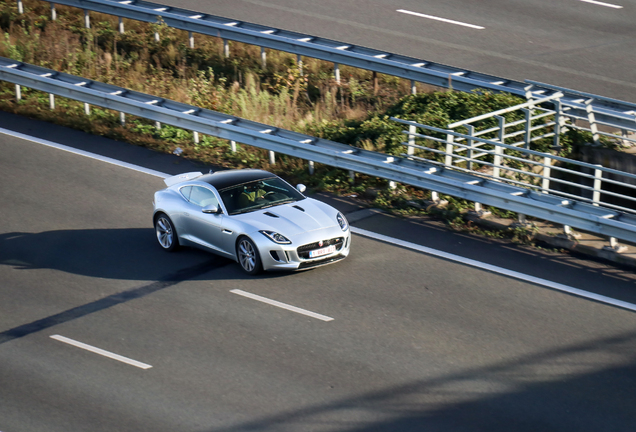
x=83, y=153
x=494, y=269
x=281, y=305
x=440, y=19
x=602, y=4
x=101, y=352
x=386, y=239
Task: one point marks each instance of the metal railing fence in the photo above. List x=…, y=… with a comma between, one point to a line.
x=519, y=166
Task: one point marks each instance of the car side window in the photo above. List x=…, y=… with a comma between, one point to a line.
x=203, y=197
x=185, y=191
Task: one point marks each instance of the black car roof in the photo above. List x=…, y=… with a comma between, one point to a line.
x=223, y=179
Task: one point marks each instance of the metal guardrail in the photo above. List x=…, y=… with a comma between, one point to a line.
x=581, y=215
x=619, y=114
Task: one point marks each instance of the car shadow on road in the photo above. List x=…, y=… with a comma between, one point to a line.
x=126, y=253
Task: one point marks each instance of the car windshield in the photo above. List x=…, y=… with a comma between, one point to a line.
x=258, y=194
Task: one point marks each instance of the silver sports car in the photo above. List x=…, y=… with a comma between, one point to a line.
x=251, y=216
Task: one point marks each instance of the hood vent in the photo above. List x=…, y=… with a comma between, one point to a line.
x=298, y=207
x=271, y=214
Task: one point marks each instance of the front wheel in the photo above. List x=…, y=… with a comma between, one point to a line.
x=248, y=256
x=166, y=234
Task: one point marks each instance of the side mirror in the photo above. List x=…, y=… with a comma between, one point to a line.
x=211, y=209
x=301, y=187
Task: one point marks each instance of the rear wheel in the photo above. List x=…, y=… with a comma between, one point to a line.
x=248, y=256
x=166, y=234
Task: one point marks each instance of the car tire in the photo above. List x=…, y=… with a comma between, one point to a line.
x=166, y=233
x=248, y=256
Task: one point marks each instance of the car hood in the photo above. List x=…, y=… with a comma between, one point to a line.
x=293, y=218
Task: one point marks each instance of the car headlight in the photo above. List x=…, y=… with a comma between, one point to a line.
x=276, y=237
x=342, y=221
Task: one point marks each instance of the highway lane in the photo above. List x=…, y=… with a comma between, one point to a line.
x=575, y=44
x=416, y=342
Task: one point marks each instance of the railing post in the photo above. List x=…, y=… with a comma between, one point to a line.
x=121, y=25
x=413, y=87
x=18, y=92
x=497, y=161
x=411, y=149
x=299, y=61
x=311, y=167
x=336, y=72
x=448, y=159
x=20, y=7
x=272, y=158
x=226, y=48
x=122, y=119
x=233, y=146
x=195, y=137
x=527, y=137
x=352, y=176
x=158, y=125
x=87, y=109
x=592, y=120
x=598, y=185
x=87, y=19
x=545, y=182
x=53, y=14
x=469, y=151
x=556, y=141
x=263, y=58
x=52, y=101
x=191, y=40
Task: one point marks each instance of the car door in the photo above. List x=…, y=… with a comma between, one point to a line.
x=205, y=229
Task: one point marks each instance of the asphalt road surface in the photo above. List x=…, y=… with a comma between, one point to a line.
x=403, y=341
x=579, y=44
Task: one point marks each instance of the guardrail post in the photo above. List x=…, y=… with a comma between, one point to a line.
x=311, y=167
x=52, y=101
x=233, y=146
x=336, y=72
x=53, y=14
x=272, y=158
x=87, y=109
x=598, y=180
x=527, y=137
x=122, y=119
x=299, y=61
x=592, y=120
x=191, y=39
x=413, y=88
x=545, y=182
x=448, y=159
x=121, y=25
x=87, y=19
x=614, y=246
x=226, y=48
x=411, y=149
x=471, y=143
x=195, y=137
x=20, y=7
x=18, y=92
x=263, y=58
x=158, y=125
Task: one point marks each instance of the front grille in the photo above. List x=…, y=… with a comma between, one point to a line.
x=303, y=251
